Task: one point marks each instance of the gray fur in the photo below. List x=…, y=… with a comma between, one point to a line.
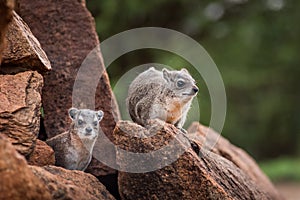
x=73, y=149
x=156, y=94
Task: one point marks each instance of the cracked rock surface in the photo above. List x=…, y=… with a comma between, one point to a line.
x=23, y=51
x=20, y=97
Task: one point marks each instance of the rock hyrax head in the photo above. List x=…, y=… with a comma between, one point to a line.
x=181, y=82
x=86, y=122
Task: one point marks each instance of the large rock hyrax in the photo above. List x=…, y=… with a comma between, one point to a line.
x=164, y=95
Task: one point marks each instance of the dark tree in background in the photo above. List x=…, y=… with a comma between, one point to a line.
x=255, y=45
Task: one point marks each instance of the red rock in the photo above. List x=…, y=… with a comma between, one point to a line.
x=20, y=97
x=209, y=176
x=71, y=184
x=23, y=51
x=67, y=34
x=6, y=10
x=42, y=155
x=17, y=180
x=221, y=146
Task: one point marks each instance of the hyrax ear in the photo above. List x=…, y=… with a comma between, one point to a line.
x=166, y=74
x=185, y=70
x=73, y=112
x=99, y=115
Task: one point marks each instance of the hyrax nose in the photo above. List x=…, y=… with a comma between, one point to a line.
x=195, y=89
x=88, y=129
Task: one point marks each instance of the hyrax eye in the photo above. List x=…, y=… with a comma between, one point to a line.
x=180, y=83
x=95, y=123
x=80, y=122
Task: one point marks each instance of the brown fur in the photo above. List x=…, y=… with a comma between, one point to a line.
x=73, y=149
x=154, y=94
x=70, y=151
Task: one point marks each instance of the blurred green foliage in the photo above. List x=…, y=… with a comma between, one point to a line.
x=255, y=45
x=282, y=169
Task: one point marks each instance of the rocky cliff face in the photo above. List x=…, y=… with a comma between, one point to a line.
x=47, y=33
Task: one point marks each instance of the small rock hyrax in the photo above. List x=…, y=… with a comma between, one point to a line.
x=164, y=95
x=73, y=149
